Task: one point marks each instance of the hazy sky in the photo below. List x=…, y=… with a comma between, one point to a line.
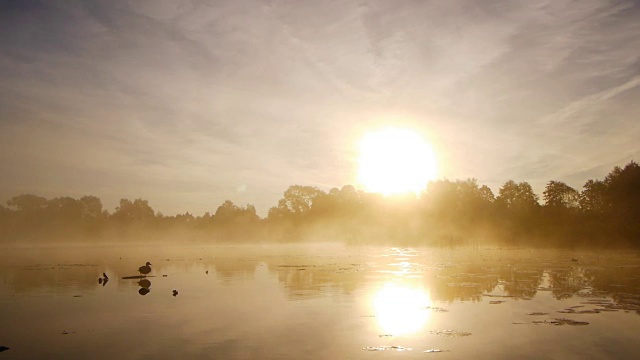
x=189, y=103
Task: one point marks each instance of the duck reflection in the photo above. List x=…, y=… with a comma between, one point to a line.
x=401, y=309
x=145, y=285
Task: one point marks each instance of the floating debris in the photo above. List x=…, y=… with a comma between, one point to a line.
x=435, y=351
x=561, y=321
x=450, y=333
x=385, y=335
x=3, y=348
x=573, y=311
x=175, y=292
x=383, y=348
x=436, y=309
x=77, y=295
x=496, y=302
x=136, y=277
x=537, y=313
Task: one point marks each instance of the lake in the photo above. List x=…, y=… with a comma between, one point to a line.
x=318, y=301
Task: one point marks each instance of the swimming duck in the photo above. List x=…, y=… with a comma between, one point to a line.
x=144, y=270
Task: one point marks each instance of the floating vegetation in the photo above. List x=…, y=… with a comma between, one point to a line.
x=450, y=333
x=296, y=266
x=574, y=311
x=436, y=309
x=561, y=321
x=384, y=348
x=463, y=284
x=498, y=296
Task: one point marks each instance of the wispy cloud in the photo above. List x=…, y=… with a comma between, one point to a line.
x=182, y=101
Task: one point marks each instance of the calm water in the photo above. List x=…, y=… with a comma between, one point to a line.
x=318, y=302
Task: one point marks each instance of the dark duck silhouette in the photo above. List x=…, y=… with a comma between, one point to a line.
x=144, y=270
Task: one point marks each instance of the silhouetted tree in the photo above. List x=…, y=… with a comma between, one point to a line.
x=27, y=203
x=517, y=196
x=91, y=207
x=297, y=202
x=133, y=211
x=593, y=197
x=557, y=194
x=623, y=196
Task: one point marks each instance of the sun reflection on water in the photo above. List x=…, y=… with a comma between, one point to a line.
x=401, y=309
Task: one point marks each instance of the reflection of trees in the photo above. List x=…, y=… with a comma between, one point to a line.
x=621, y=283
x=464, y=282
x=303, y=281
x=566, y=282
x=230, y=269
x=521, y=282
x=28, y=279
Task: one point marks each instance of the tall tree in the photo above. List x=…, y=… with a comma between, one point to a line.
x=593, y=197
x=558, y=194
x=517, y=196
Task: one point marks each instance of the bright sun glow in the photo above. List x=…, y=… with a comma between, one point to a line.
x=394, y=161
x=401, y=310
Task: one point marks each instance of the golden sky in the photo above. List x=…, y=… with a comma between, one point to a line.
x=190, y=103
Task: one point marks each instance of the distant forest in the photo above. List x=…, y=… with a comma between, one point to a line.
x=604, y=213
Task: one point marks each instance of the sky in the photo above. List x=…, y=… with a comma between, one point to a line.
x=190, y=103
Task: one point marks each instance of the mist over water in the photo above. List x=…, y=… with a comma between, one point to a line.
x=313, y=301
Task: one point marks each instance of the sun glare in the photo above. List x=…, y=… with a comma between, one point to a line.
x=395, y=161
x=400, y=310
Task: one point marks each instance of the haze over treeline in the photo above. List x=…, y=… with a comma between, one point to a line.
x=448, y=213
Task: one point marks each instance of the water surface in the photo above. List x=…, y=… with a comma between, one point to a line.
x=320, y=301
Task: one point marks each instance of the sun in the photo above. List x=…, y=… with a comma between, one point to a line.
x=395, y=161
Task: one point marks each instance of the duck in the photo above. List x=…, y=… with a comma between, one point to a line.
x=144, y=270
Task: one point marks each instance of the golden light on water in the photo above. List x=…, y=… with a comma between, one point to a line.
x=401, y=310
x=395, y=161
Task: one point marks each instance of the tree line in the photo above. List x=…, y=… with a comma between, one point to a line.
x=448, y=213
